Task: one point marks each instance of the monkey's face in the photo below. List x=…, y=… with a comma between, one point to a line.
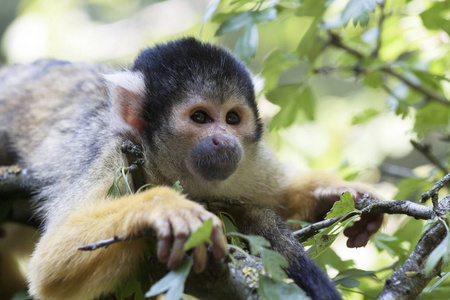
x=214, y=135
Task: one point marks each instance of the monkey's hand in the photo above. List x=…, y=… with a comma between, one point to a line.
x=311, y=196
x=58, y=270
x=173, y=218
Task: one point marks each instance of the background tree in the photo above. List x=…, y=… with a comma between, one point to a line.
x=360, y=87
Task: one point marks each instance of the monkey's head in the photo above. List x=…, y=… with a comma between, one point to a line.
x=194, y=106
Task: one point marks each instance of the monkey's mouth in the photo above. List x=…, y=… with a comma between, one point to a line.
x=215, y=168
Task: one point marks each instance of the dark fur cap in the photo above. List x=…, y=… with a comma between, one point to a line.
x=187, y=67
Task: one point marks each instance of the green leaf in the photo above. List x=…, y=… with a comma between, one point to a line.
x=320, y=244
x=428, y=225
x=270, y=289
x=365, y=116
x=132, y=286
x=412, y=188
x=274, y=64
x=257, y=243
x=177, y=187
x=125, y=173
x=234, y=22
x=309, y=45
x=292, y=99
x=442, y=251
x=247, y=43
x=114, y=190
x=330, y=258
x=432, y=117
x=22, y=295
x=358, y=10
x=265, y=15
x=436, y=16
x=273, y=263
x=210, y=9
x=346, y=278
x=313, y=8
x=349, y=283
x=200, y=236
x=173, y=283
x=391, y=244
x=342, y=207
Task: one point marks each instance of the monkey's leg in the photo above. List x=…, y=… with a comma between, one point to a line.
x=305, y=273
x=311, y=196
x=59, y=271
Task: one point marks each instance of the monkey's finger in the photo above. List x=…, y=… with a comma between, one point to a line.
x=217, y=237
x=199, y=258
x=219, y=242
x=177, y=253
x=359, y=240
x=164, y=236
x=180, y=231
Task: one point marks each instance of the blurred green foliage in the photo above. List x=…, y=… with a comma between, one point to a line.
x=399, y=47
x=334, y=71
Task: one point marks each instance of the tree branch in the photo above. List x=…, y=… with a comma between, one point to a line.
x=425, y=150
x=336, y=41
x=410, y=278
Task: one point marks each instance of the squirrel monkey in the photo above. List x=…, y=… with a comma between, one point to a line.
x=191, y=106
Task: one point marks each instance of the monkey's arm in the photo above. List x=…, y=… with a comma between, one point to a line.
x=309, y=197
x=56, y=261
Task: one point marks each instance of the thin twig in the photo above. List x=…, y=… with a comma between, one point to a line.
x=375, y=52
x=425, y=149
x=113, y=240
x=435, y=189
x=336, y=41
x=417, y=87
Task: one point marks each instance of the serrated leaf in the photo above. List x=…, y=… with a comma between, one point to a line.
x=247, y=43
x=342, y=207
x=257, y=243
x=270, y=289
x=273, y=263
x=365, y=116
x=200, y=236
x=321, y=243
x=432, y=117
x=234, y=22
x=173, y=283
x=391, y=244
x=274, y=64
x=436, y=16
x=309, y=44
x=358, y=11
x=292, y=99
x=177, y=187
x=210, y=9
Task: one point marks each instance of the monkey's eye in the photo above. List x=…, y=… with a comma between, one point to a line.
x=233, y=118
x=200, y=117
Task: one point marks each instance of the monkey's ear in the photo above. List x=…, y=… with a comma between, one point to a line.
x=127, y=90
